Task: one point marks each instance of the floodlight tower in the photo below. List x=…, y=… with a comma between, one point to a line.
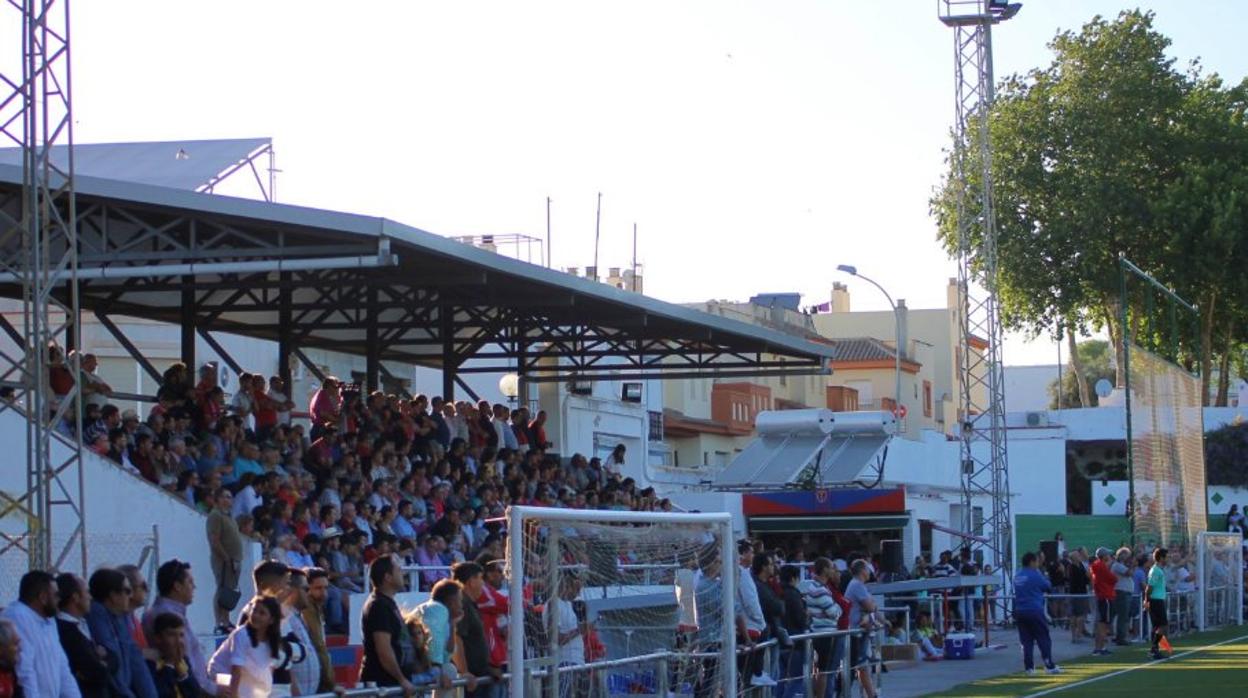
x=39, y=246
x=981, y=381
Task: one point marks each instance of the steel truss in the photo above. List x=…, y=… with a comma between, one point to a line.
x=985, y=468
x=409, y=306
x=38, y=247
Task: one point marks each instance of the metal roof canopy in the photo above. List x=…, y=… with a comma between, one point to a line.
x=268, y=270
x=197, y=165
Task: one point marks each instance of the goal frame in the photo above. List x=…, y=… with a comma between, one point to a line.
x=1236, y=587
x=518, y=515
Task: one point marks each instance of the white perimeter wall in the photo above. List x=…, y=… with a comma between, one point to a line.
x=120, y=511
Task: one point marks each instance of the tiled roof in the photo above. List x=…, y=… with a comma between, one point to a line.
x=862, y=349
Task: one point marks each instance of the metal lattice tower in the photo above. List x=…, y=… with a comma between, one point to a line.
x=40, y=248
x=981, y=381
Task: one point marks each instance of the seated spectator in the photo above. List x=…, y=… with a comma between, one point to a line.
x=107, y=619
x=171, y=672
x=86, y=658
x=10, y=656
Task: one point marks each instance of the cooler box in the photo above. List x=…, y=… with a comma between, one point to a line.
x=960, y=646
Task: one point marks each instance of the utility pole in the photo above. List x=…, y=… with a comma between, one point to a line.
x=597, y=234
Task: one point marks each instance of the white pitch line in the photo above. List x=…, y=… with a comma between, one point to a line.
x=1120, y=672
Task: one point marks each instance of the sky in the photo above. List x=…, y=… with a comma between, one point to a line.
x=756, y=145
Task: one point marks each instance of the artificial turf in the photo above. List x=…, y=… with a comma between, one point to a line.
x=1223, y=669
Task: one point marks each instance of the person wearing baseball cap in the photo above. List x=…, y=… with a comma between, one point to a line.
x=1103, y=582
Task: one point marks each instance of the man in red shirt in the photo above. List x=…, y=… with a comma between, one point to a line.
x=1103, y=581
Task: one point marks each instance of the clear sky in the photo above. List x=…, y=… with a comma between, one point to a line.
x=756, y=144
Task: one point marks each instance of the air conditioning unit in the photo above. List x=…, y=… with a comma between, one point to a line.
x=1037, y=419
x=581, y=387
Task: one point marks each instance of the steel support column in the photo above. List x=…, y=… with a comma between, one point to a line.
x=450, y=361
x=372, y=356
x=188, y=325
x=285, y=335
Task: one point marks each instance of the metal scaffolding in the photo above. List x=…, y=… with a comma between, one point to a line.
x=38, y=246
x=981, y=382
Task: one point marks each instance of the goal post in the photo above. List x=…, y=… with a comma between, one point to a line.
x=1219, y=580
x=643, y=601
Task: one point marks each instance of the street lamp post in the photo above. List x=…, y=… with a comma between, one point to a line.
x=853, y=271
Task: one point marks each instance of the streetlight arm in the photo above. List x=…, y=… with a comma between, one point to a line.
x=897, y=349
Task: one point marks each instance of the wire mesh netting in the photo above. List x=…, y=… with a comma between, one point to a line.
x=600, y=591
x=1220, y=578
x=1167, y=451
x=103, y=550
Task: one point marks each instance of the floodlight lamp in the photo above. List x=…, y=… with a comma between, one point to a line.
x=509, y=385
x=1004, y=10
x=848, y=269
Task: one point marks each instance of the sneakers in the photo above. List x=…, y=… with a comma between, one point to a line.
x=762, y=680
x=1053, y=670
x=1155, y=655
x=1030, y=672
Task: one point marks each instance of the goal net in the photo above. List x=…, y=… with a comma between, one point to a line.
x=1167, y=451
x=619, y=603
x=1219, y=579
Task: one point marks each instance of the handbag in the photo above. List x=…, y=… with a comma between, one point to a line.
x=227, y=598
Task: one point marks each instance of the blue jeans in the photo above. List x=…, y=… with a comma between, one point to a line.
x=794, y=662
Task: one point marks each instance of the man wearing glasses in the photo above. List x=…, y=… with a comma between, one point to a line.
x=110, y=606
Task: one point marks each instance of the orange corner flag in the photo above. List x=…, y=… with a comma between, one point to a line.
x=1164, y=644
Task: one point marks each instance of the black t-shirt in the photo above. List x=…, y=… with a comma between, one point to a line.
x=472, y=631
x=381, y=615
x=1078, y=578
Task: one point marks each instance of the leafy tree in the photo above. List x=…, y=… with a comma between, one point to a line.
x=1108, y=151
x=1095, y=360
x=1226, y=455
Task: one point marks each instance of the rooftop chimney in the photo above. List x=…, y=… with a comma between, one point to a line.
x=840, y=298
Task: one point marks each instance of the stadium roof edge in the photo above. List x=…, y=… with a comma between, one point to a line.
x=423, y=242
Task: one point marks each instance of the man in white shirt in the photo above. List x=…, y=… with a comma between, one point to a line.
x=571, y=639
x=42, y=668
x=277, y=393
x=247, y=498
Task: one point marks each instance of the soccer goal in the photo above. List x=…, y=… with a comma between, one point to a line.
x=620, y=603
x=1219, y=579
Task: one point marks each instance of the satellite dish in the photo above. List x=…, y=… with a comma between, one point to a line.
x=1104, y=387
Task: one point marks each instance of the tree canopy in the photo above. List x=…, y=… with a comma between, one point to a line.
x=1095, y=361
x=1112, y=150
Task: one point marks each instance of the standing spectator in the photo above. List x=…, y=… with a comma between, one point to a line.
x=247, y=656
x=615, y=461
x=796, y=621
x=314, y=619
x=570, y=632
x=42, y=668
x=826, y=613
x=1235, y=520
x=227, y=558
x=305, y=676
x=10, y=657
x=1104, y=582
x=138, y=603
x=751, y=614
x=108, y=620
x=278, y=394
x=1078, y=586
x=175, y=587
x=325, y=406
x=1155, y=601
x=170, y=668
x=764, y=571
x=862, y=606
x=1124, y=591
x=85, y=657
x=471, y=631
x=1029, y=589
x=494, y=608
x=388, y=648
